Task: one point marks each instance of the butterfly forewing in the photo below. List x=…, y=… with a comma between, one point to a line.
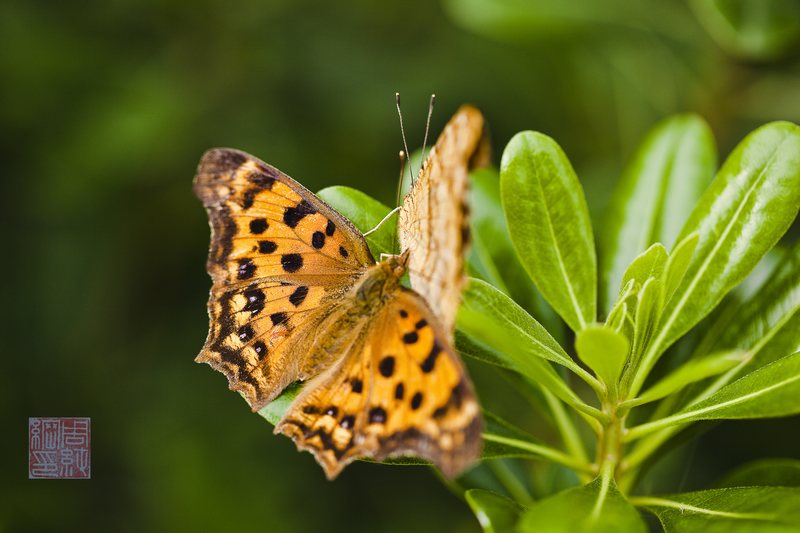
x=400, y=390
x=434, y=223
x=279, y=259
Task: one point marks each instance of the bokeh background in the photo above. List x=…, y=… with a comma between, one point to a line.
x=105, y=109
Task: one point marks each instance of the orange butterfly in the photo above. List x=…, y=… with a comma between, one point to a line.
x=297, y=295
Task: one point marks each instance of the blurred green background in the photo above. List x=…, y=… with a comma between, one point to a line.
x=106, y=107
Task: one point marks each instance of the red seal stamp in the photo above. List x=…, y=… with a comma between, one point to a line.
x=59, y=448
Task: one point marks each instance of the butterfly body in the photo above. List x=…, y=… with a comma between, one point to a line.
x=297, y=296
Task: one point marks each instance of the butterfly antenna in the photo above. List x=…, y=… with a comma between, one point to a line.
x=427, y=126
x=402, y=129
x=403, y=159
x=399, y=188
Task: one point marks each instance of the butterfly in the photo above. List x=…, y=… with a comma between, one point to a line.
x=297, y=295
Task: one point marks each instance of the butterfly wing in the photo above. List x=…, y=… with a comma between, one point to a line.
x=279, y=259
x=399, y=390
x=433, y=222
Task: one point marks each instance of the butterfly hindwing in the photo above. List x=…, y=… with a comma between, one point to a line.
x=279, y=259
x=400, y=390
x=434, y=223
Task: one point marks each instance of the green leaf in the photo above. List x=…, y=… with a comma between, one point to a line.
x=735, y=510
x=768, y=323
x=491, y=317
x=770, y=391
x=616, y=320
x=749, y=206
x=495, y=513
x=677, y=264
x=690, y=372
x=649, y=264
x=769, y=472
x=549, y=225
x=273, y=411
x=604, y=351
x=667, y=175
x=647, y=312
x=364, y=212
x=520, y=21
x=752, y=29
x=493, y=257
x=593, y=508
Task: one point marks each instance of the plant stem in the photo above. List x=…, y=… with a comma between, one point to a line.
x=546, y=452
x=609, y=450
x=566, y=427
x=516, y=489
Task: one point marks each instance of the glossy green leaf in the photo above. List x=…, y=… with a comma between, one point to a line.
x=770, y=391
x=667, y=175
x=749, y=206
x=492, y=254
x=649, y=264
x=495, y=513
x=752, y=29
x=492, y=317
x=764, y=472
x=604, y=351
x=365, y=213
x=768, y=323
x=690, y=372
x=677, y=264
x=647, y=312
x=593, y=508
x=549, y=225
x=735, y=510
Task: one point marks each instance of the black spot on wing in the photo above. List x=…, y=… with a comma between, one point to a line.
x=246, y=269
x=416, y=401
x=411, y=337
x=299, y=294
x=343, y=252
x=356, y=385
x=249, y=198
x=348, y=421
x=260, y=348
x=430, y=361
x=330, y=228
x=267, y=247
x=258, y=226
x=331, y=411
x=318, y=240
x=399, y=391
x=261, y=180
x=255, y=301
x=386, y=366
x=293, y=215
x=278, y=318
x=292, y=262
x=246, y=333
x=377, y=415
